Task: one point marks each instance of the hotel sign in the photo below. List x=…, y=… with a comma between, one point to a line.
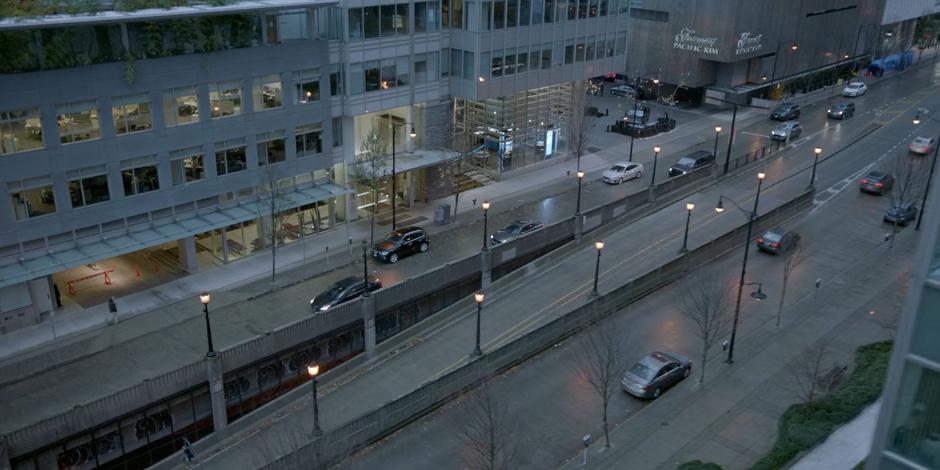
x=748, y=43
x=688, y=40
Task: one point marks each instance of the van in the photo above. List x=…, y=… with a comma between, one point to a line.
x=691, y=162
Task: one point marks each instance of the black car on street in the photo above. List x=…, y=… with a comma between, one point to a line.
x=901, y=214
x=876, y=182
x=400, y=243
x=841, y=110
x=342, y=291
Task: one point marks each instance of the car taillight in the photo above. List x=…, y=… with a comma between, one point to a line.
x=760, y=240
x=775, y=245
x=879, y=184
x=865, y=181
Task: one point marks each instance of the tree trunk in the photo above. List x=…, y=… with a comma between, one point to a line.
x=783, y=294
x=606, y=434
x=701, y=379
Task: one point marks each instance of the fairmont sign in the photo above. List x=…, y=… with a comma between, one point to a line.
x=688, y=40
x=748, y=43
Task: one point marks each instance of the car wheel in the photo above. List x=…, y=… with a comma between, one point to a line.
x=639, y=174
x=656, y=392
x=393, y=258
x=620, y=180
x=686, y=372
x=423, y=247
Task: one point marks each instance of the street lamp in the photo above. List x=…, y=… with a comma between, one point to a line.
x=205, y=298
x=656, y=82
x=656, y=150
x=717, y=133
x=478, y=297
x=577, y=208
x=486, y=209
x=597, y=266
x=933, y=163
x=630, y=158
x=413, y=134
x=688, y=219
x=812, y=179
x=365, y=270
x=747, y=241
x=313, y=370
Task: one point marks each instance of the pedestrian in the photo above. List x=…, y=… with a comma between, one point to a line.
x=606, y=111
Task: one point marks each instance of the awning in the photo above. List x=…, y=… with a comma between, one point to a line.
x=409, y=161
x=749, y=87
x=157, y=232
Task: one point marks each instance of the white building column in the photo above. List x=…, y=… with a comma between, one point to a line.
x=188, y=259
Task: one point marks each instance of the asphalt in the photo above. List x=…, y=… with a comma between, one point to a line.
x=632, y=250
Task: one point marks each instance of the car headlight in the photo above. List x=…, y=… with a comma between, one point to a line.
x=325, y=307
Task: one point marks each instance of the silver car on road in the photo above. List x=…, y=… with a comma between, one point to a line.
x=654, y=373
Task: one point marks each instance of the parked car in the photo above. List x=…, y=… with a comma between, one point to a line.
x=342, y=291
x=623, y=171
x=514, y=231
x=785, y=112
x=786, y=131
x=654, y=373
x=401, y=242
x=876, y=182
x=778, y=240
x=841, y=110
x=691, y=162
x=901, y=214
x=922, y=145
x=623, y=90
x=855, y=89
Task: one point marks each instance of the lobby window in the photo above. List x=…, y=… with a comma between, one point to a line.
x=88, y=186
x=309, y=140
x=267, y=92
x=372, y=75
x=32, y=198
x=131, y=113
x=336, y=79
x=78, y=122
x=271, y=148
x=20, y=131
x=180, y=106
x=307, y=84
x=337, y=124
x=140, y=175
x=354, y=18
x=230, y=157
x=225, y=99
x=286, y=26
x=187, y=165
x=370, y=21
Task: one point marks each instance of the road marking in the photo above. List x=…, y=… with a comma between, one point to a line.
x=754, y=134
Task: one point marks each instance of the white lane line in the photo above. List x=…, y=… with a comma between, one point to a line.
x=755, y=134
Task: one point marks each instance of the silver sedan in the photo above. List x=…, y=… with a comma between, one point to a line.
x=623, y=171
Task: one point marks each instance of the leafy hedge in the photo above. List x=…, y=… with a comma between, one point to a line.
x=803, y=426
x=699, y=465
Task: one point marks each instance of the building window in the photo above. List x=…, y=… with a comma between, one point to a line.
x=32, y=198
x=486, y=16
x=355, y=22
x=187, y=166
x=512, y=13
x=180, y=106
x=286, y=26
x=88, y=186
x=499, y=14
x=421, y=69
x=370, y=20
x=522, y=62
x=336, y=79
x=78, y=122
x=20, y=131
x=271, y=148
x=225, y=99
x=496, y=68
x=372, y=75
x=140, y=175
x=308, y=86
x=915, y=424
x=394, y=19
x=569, y=53
x=131, y=114
x=546, y=56
x=267, y=92
x=230, y=157
x=337, y=132
x=309, y=140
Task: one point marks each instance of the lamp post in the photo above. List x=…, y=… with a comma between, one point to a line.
x=717, y=133
x=812, y=179
x=413, y=134
x=597, y=265
x=313, y=370
x=688, y=218
x=747, y=242
x=205, y=298
x=656, y=82
x=486, y=209
x=630, y=157
x=656, y=150
x=577, y=207
x=933, y=163
x=478, y=297
x=365, y=270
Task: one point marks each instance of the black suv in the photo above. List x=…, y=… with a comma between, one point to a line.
x=343, y=291
x=785, y=112
x=691, y=162
x=401, y=242
x=841, y=111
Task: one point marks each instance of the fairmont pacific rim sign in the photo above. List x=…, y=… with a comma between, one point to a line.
x=748, y=43
x=687, y=39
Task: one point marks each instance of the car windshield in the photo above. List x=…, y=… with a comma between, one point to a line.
x=332, y=293
x=618, y=168
x=643, y=371
x=874, y=177
x=854, y=85
x=772, y=236
x=513, y=228
x=922, y=141
x=394, y=238
x=685, y=163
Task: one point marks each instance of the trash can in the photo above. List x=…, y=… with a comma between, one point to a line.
x=442, y=214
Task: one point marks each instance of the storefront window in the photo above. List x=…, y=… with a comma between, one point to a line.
x=307, y=85
x=187, y=166
x=88, y=186
x=78, y=122
x=271, y=148
x=140, y=175
x=20, y=131
x=267, y=92
x=131, y=113
x=32, y=198
x=225, y=99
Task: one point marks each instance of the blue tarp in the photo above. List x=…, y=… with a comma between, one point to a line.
x=892, y=62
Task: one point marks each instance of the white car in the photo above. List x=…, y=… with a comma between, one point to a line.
x=855, y=89
x=922, y=145
x=623, y=171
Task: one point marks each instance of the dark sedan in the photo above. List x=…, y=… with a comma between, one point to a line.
x=901, y=214
x=654, y=373
x=514, y=231
x=777, y=240
x=400, y=243
x=343, y=291
x=785, y=112
x=841, y=111
x=876, y=182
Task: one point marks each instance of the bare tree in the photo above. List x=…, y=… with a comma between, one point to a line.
x=601, y=361
x=273, y=198
x=806, y=369
x=793, y=257
x=705, y=301
x=581, y=121
x=489, y=432
x=370, y=168
x=908, y=184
